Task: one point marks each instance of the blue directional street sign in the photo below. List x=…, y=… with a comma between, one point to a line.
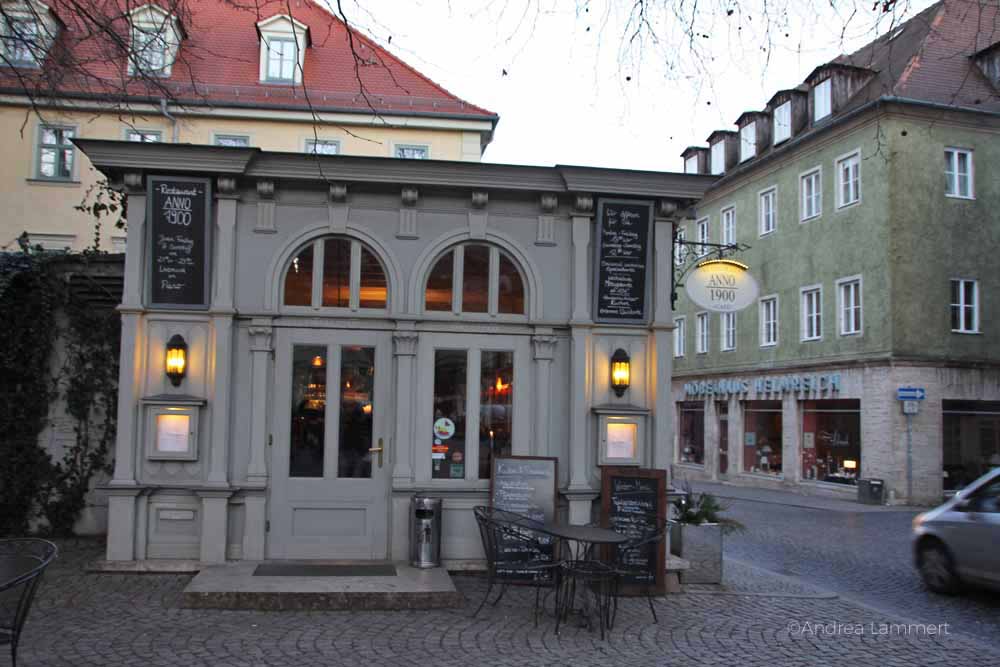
x=910, y=394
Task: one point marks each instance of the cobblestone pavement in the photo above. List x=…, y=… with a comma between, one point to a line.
x=863, y=556
x=757, y=619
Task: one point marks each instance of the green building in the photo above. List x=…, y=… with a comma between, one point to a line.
x=869, y=197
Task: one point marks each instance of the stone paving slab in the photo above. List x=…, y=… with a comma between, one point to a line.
x=116, y=620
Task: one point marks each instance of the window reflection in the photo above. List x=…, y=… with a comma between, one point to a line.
x=337, y=273
x=357, y=380
x=307, y=437
x=496, y=392
x=762, y=437
x=510, y=287
x=374, y=287
x=298, y=279
x=448, y=450
x=438, y=293
x=476, y=279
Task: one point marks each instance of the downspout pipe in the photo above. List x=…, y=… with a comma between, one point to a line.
x=171, y=118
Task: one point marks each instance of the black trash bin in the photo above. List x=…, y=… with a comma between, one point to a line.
x=871, y=491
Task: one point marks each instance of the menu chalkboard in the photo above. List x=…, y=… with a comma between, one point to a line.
x=525, y=485
x=178, y=216
x=621, y=267
x=634, y=503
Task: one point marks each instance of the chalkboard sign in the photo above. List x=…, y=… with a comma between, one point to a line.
x=623, y=251
x=178, y=222
x=634, y=503
x=525, y=485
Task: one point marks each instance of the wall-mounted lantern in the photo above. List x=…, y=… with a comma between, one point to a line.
x=176, y=361
x=619, y=372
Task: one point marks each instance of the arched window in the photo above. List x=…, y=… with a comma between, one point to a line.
x=475, y=278
x=349, y=276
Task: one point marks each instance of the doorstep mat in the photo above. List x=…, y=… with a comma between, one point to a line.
x=308, y=570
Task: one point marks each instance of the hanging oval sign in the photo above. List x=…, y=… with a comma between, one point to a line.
x=722, y=285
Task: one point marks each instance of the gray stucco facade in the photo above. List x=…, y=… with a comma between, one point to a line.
x=236, y=496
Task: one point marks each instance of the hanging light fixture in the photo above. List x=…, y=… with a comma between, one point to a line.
x=620, y=372
x=176, y=359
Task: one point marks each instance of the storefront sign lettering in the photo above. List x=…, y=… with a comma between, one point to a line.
x=179, y=234
x=722, y=286
x=824, y=382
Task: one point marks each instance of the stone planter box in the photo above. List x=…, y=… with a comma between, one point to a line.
x=701, y=546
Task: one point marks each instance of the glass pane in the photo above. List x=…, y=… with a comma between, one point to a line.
x=438, y=293
x=299, y=279
x=374, y=287
x=47, y=167
x=496, y=421
x=956, y=317
x=476, y=279
x=357, y=381
x=511, y=287
x=49, y=136
x=308, y=428
x=66, y=166
x=337, y=273
x=692, y=432
x=448, y=450
x=831, y=441
x=762, y=437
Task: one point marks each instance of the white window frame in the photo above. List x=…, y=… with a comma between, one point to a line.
x=679, y=248
x=822, y=91
x=679, y=339
x=702, y=325
x=718, y=157
x=843, y=308
x=691, y=164
x=160, y=36
x=727, y=326
x=143, y=135
x=278, y=58
x=310, y=142
x=764, y=301
x=20, y=44
x=772, y=194
x=702, y=228
x=36, y=173
x=962, y=305
x=853, y=182
x=748, y=141
x=728, y=225
x=783, y=122
x=817, y=191
x=952, y=174
x=396, y=148
x=220, y=136
x=282, y=27
x=811, y=322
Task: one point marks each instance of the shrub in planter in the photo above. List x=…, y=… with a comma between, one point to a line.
x=696, y=535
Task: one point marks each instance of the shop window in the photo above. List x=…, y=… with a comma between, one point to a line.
x=351, y=276
x=971, y=441
x=722, y=410
x=489, y=281
x=450, y=387
x=691, y=447
x=831, y=441
x=762, y=437
x=496, y=408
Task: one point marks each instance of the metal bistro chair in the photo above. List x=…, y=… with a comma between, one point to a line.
x=22, y=563
x=506, y=537
x=625, y=565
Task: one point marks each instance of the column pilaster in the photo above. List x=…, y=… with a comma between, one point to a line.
x=260, y=360
x=404, y=348
x=543, y=348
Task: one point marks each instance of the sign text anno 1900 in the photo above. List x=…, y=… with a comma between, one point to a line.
x=178, y=217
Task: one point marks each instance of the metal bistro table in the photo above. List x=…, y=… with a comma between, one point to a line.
x=596, y=576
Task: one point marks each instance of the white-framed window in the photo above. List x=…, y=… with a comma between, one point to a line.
x=821, y=100
x=769, y=320
x=748, y=141
x=149, y=49
x=412, y=152
x=322, y=147
x=964, y=305
x=21, y=41
x=849, y=179
x=811, y=193
x=849, y=305
x=766, y=211
x=701, y=333
x=691, y=165
x=232, y=140
x=679, y=342
x=56, y=153
x=729, y=225
x=812, y=312
x=728, y=323
x=156, y=36
x=958, y=173
x=679, y=247
x=782, y=122
x=144, y=136
x=282, y=59
x=718, y=157
x=702, y=226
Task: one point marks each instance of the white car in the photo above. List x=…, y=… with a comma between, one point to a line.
x=958, y=542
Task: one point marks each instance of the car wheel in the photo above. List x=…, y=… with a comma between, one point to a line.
x=937, y=569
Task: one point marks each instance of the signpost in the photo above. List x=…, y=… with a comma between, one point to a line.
x=909, y=398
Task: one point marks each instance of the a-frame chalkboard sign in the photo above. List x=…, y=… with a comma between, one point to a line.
x=634, y=503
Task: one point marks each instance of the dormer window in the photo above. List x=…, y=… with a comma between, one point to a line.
x=783, y=122
x=283, y=42
x=748, y=141
x=26, y=32
x=156, y=36
x=821, y=100
x=718, y=157
x=691, y=165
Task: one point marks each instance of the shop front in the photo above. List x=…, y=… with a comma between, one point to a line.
x=308, y=342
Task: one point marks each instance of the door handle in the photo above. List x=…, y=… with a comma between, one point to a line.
x=378, y=449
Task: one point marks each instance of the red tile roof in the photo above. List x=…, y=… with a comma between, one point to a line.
x=218, y=64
